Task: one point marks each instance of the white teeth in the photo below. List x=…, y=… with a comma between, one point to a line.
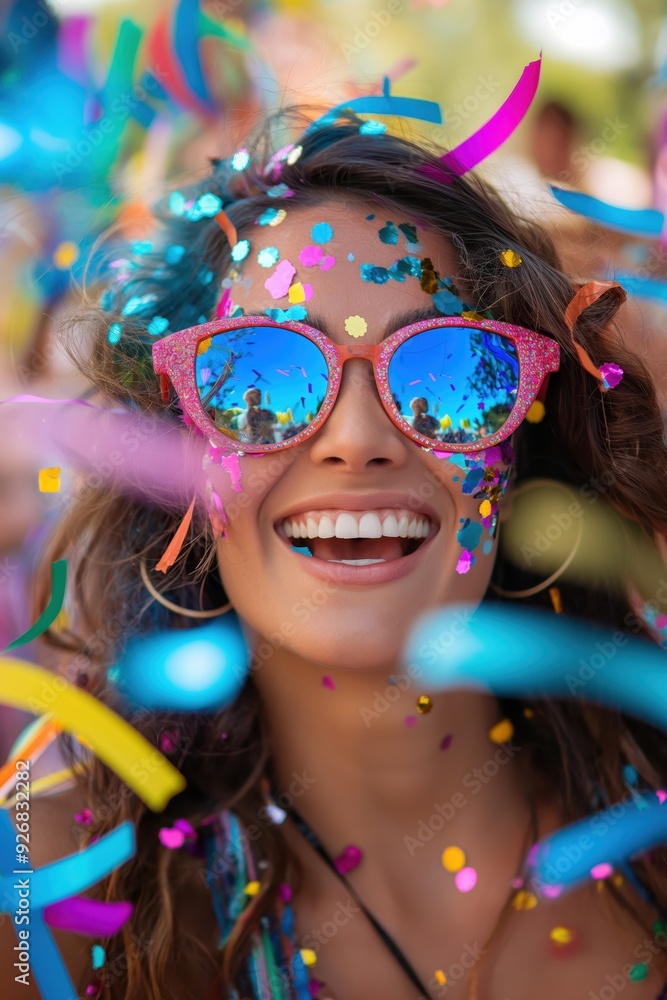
x=346, y=526
x=327, y=529
x=357, y=562
x=370, y=526
x=412, y=529
x=313, y=528
x=390, y=527
x=403, y=524
x=288, y=529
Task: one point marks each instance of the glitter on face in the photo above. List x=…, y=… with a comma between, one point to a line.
x=268, y=256
x=321, y=232
x=240, y=250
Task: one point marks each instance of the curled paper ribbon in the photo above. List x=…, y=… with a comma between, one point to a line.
x=585, y=297
x=53, y=608
x=493, y=133
x=90, y=917
x=148, y=772
x=384, y=104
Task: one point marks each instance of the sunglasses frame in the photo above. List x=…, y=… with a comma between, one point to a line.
x=174, y=357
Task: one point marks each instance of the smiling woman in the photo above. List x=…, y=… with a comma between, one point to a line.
x=377, y=361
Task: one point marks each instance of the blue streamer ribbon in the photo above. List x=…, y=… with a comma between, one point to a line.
x=634, y=221
x=643, y=288
x=384, y=104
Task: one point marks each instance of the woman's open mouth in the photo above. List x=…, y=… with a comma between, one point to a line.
x=357, y=538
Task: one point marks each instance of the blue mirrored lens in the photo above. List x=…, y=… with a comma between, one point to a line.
x=455, y=385
x=260, y=384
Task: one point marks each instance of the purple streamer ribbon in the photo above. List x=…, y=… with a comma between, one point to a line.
x=92, y=917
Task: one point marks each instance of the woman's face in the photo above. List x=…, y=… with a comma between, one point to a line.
x=357, y=466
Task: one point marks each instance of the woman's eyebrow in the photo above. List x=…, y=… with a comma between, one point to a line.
x=415, y=316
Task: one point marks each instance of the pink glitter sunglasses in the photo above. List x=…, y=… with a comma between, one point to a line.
x=254, y=385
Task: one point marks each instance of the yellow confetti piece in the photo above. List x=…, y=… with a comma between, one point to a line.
x=528, y=713
x=204, y=345
x=453, y=859
x=510, y=259
x=308, y=957
x=440, y=977
x=253, y=888
x=139, y=764
x=561, y=935
x=446, y=422
x=356, y=326
x=65, y=255
x=485, y=508
x=294, y=155
x=424, y=704
x=502, y=732
x=296, y=293
x=556, y=600
x=475, y=316
x=524, y=900
x=536, y=412
x=617, y=880
x=279, y=217
x=49, y=480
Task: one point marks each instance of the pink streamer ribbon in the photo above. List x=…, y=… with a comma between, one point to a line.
x=493, y=133
x=91, y=917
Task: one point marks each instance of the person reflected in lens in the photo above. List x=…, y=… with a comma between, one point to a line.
x=257, y=423
x=422, y=421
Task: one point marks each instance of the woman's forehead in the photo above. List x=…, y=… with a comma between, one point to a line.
x=352, y=266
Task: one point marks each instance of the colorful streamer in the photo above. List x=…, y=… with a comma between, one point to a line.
x=633, y=221
x=52, y=609
x=384, y=104
x=91, y=917
x=114, y=741
x=644, y=288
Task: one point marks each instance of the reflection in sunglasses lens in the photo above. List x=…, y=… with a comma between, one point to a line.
x=455, y=385
x=260, y=385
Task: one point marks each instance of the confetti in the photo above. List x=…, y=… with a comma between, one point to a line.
x=253, y=888
x=372, y=272
x=466, y=560
x=296, y=293
x=429, y=277
x=278, y=283
x=356, y=326
x=49, y=480
x=524, y=900
x=389, y=234
x=485, y=508
x=308, y=957
x=294, y=155
x=373, y=127
x=53, y=608
x=638, y=972
x=561, y=935
x=310, y=256
x=293, y=314
x=601, y=871
x=536, y=413
x=502, y=732
x=85, y=817
x=321, y=232
x=446, y=742
x=409, y=721
x=174, y=253
x=453, y=859
x=240, y=159
x=440, y=977
x=465, y=879
x=327, y=262
x=351, y=857
x=329, y=683
x=115, y=330
x=424, y=704
x=272, y=217
x=611, y=374
x=65, y=255
x=158, y=325
x=556, y=600
x=280, y=191
x=268, y=256
x=409, y=231
x=240, y=250
x=510, y=259
x=99, y=956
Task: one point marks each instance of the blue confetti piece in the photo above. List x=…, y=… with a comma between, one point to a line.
x=294, y=313
x=267, y=217
x=209, y=204
x=487, y=547
x=369, y=217
x=375, y=274
x=389, y=234
x=99, y=956
x=158, y=325
x=240, y=250
x=373, y=127
x=268, y=256
x=280, y=191
x=412, y=266
x=176, y=203
x=240, y=159
x=142, y=247
x=350, y=256
x=137, y=304
x=469, y=536
x=448, y=303
x=174, y=253
x=206, y=277
x=115, y=330
x=321, y=232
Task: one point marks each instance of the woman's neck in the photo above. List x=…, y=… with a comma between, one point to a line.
x=355, y=757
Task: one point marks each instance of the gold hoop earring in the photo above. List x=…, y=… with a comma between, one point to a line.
x=170, y=606
x=531, y=591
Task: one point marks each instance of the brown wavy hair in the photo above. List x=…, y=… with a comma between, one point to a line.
x=616, y=440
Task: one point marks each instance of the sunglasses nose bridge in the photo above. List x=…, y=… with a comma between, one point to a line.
x=364, y=351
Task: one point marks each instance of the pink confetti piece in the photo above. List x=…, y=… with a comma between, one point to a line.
x=465, y=879
x=415, y=381
x=186, y=828
x=661, y=795
x=224, y=306
x=431, y=376
x=310, y=256
x=466, y=560
x=611, y=374
x=327, y=263
x=661, y=621
x=603, y=870
x=447, y=742
x=552, y=891
x=85, y=817
x=285, y=892
x=171, y=837
x=442, y=454
x=516, y=883
x=231, y=464
x=307, y=291
x=329, y=683
x=410, y=721
x=351, y=857
x=531, y=857
x=167, y=744
x=281, y=372
x=278, y=283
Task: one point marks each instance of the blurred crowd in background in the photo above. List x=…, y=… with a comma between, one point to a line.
x=104, y=104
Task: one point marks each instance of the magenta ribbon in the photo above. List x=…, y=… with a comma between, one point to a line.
x=493, y=133
x=92, y=917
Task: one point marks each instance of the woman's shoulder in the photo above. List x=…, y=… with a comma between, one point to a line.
x=53, y=833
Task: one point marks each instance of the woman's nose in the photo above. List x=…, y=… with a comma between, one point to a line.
x=358, y=432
